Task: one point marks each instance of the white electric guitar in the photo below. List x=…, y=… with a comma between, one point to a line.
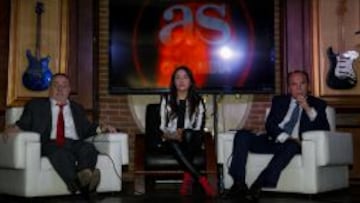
x=341, y=74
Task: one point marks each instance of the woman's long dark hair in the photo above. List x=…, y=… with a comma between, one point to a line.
x=192, y=97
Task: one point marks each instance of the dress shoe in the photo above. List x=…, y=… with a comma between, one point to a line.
x=236, y=191
x=94, y=180
x=73, y=187
x=84, y=177
x=254, y=193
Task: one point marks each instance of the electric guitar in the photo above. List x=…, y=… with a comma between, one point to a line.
x=341, y=73
x=37, y=76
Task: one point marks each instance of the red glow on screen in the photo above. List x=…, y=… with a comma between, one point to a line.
x=186, y=45
x=183, y=49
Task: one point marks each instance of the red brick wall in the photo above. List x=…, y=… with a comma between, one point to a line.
x=255, y=120
x=114, y=109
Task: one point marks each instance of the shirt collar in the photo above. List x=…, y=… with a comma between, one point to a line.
x=54, y=102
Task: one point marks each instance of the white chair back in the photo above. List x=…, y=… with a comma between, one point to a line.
x=13, y=114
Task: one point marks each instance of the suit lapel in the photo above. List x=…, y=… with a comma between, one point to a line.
x=76, y=119
x=284, y=107
x=48, y=118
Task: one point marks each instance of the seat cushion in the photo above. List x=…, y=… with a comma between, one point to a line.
x=261, y=160
x=45, y=164
x=166, y=161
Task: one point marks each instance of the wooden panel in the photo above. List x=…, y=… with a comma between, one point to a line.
x=68, y=39
x=4, y=52
x=295, y=46
x=81, y=52
x=296, y=38
x=54, y=31
x=335, y=24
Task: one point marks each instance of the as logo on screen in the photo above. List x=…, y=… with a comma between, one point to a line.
x=206, y=18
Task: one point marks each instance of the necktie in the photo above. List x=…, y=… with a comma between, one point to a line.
x=289, y=126
x=60, y=127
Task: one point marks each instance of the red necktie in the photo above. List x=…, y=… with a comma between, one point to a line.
x=60, y=127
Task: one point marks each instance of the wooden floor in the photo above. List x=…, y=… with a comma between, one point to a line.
x=168, y=194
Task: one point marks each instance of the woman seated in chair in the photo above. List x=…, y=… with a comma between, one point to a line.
x=182, y=115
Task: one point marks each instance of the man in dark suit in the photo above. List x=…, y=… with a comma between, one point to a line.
x=63, y=127
x=289, y=117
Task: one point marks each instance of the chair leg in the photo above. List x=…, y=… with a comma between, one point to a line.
x=212, y=178
x=139, y=185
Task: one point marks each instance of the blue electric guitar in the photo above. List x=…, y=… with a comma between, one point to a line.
x=37, y=76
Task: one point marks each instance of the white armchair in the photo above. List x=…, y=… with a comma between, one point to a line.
x=322, y=165
x=23, y=172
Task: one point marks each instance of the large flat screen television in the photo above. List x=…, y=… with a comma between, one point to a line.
x=228, y=45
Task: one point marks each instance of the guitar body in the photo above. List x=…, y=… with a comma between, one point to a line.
x=37, y=76
x=341, y=74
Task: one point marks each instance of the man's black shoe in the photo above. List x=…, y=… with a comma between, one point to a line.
x=254, y=193
x=236, y=191
x=73, y=187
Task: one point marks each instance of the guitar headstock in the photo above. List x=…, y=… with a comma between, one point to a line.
x=39, y=8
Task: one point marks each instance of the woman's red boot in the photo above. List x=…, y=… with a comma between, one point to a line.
x=186, y=186
x=209, y=190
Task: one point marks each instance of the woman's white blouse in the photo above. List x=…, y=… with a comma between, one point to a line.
x=194, y=123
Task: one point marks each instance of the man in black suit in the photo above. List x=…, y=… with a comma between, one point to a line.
x=289, y=117
x=63, y=127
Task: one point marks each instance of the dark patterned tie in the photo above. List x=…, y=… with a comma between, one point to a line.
x=60, y=127
x=289, y=126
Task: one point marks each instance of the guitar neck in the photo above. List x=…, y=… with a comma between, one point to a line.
x=38, y=35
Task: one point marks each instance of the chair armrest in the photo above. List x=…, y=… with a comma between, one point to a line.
x=224, y=140
x=13, y=152
x=112, y=144
x=211, y=164
x=210, y=157
x=139, y=153
x=332, y=148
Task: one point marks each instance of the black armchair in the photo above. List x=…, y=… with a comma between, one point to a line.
x=153, y=160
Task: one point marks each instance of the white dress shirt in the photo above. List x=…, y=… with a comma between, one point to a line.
x=70, y=131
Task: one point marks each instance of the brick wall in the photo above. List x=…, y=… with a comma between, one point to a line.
x=255, y=120
x=114, y=109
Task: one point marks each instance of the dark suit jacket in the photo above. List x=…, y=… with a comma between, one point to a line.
x=279, y=108
x=36, y=117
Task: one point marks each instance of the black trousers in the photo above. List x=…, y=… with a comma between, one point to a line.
x=185, y=151
x=73, y=156
x=245, y=142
